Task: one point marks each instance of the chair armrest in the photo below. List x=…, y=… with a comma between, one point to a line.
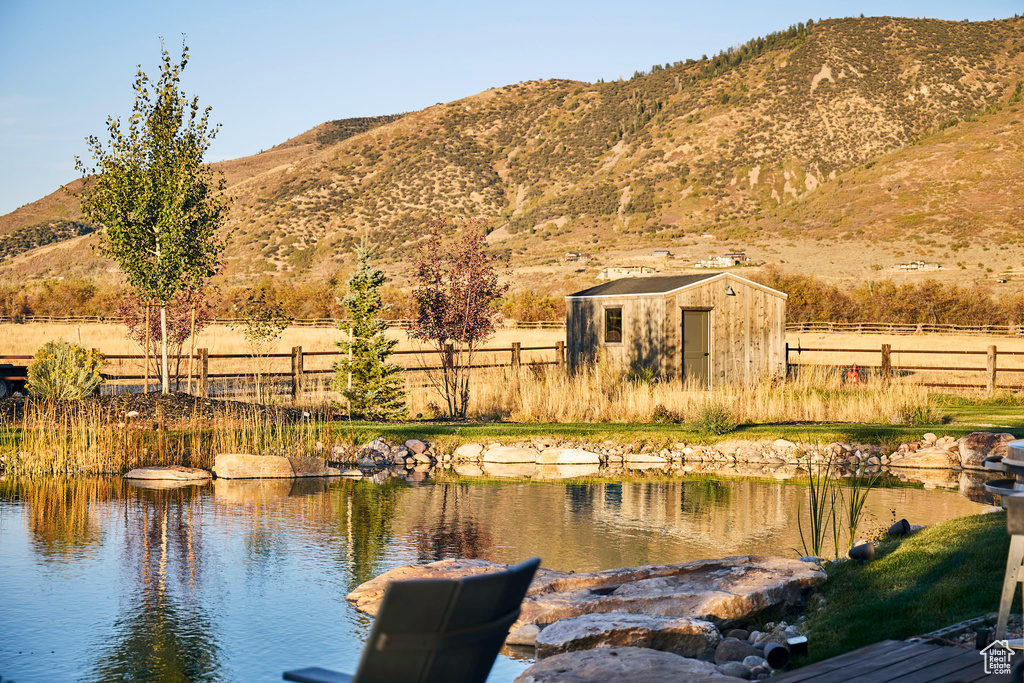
x=315, y=674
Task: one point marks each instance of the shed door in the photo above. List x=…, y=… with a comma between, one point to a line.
x=696, y=347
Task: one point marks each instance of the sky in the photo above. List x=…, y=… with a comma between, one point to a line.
x=272, y=70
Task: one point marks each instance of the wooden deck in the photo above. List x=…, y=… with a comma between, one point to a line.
x=896, y=661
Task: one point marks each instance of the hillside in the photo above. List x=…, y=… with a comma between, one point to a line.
x=841, y=147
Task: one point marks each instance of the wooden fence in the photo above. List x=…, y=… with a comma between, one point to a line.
x=325, y=323
x=886, y=368
x=298, y=374
x=903, y=329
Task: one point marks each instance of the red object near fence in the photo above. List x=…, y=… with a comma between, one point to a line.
x=853, y=375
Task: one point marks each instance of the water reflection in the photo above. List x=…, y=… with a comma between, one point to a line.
x=240, y=580
x=163, y=632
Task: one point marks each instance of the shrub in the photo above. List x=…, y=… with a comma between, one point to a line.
x=713, y=418
x=64, y=371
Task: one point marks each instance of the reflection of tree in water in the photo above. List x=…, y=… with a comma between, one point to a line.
x=59, y=510
x=163, y=634
x=365, y=515
x=703, y=495
x=453, y=534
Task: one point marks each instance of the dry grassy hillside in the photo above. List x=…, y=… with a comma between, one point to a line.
x=883, y=138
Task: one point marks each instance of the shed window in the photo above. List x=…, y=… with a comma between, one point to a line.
x=612, y=325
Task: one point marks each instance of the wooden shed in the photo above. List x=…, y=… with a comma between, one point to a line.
x=712, y=328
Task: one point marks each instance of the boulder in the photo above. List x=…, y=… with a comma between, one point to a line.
x=681, y=635
x=510, y=454
x=567, y=456
x=929, y=459
x=378, y=447
x=735, y=670
x=734, y=650
x=170, y=473
x=633, y=664
x=416, y=446
x=977, y=446
x=525, y=636
x=783, y=444
x=468, y=451
x=725, y=591
x=246, y=466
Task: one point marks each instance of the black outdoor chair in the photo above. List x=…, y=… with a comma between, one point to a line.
x=437, y=630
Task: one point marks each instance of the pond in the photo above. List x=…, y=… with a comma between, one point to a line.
x=241, y=580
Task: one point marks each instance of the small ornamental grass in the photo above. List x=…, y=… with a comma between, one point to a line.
x=62, y=371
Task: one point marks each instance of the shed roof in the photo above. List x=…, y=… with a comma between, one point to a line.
x=659, y=284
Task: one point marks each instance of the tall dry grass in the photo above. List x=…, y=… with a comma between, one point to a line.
x=66, y=438
x=603, y=393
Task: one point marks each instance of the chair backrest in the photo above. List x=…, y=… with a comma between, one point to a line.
x=444, y=630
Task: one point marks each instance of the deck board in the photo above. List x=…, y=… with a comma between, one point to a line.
x=895, y=661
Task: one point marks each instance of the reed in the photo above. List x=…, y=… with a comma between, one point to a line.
x=74, y=438
x=821, y=508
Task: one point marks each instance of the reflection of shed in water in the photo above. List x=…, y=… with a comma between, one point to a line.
x=712, y=329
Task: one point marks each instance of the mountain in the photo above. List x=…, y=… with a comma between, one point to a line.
x=838, y=147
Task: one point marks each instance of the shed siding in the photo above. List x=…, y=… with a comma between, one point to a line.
x=747, y=330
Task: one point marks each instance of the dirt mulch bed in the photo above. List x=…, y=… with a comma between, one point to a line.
x=175, y=410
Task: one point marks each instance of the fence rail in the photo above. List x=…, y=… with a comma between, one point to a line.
x=886, y=368
x=199, y=367
x=324, y=323
x=904, y=329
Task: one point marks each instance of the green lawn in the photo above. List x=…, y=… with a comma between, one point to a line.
x=940, y=576
x=627, y=433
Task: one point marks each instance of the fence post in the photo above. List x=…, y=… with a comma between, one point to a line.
x=297, y=373
x=204, y=373
x=991, y=370
x=560, y=354
x=787, y=361
x=886, y=362
x=517, y=356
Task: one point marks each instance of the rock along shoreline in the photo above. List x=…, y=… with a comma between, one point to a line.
x=688, y=621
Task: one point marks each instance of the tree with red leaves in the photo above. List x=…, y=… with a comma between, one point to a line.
x=180, y=310
x=456, y=287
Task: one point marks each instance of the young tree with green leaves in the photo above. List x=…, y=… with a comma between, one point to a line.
x=376, y=390
x=156, y=200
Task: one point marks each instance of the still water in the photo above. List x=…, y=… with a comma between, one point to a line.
x=241, y=580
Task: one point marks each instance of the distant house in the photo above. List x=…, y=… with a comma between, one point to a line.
x=662, y=253
x=918, y=265
x=715, y=262
x=620, y=271
x=574, y=256
x=709, y=329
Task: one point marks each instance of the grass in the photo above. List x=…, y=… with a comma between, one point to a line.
x=942, y=575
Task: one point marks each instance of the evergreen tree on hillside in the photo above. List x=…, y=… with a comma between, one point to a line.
x=375, y=391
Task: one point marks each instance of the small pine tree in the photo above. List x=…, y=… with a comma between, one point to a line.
x=376, y=391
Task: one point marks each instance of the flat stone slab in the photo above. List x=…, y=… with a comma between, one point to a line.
x=568, y=456
x=246, y=466
x=931, y=458
x=632, y=664
x=510, y=454
x=169, y=473
x=722, y=591
x=680, y=635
